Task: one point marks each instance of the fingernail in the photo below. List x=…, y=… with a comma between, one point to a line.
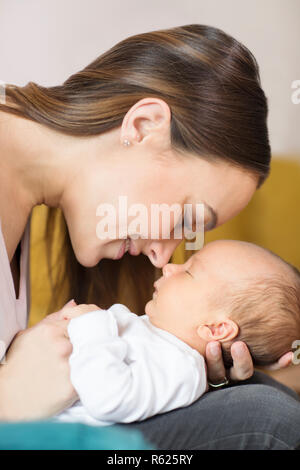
x=70, y=303
x=239, y=350
x=214, y=349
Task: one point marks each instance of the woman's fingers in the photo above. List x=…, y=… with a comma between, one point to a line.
x=59, y=315
x=71, y=303
x=284, y=361
x=214, y=361
x=67, y=307
x=69, y=312
x=242, y=367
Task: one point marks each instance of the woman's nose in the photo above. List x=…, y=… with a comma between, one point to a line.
x=160, y=252
x=170, y=269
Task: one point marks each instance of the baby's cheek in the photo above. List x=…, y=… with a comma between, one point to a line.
x=172, y=299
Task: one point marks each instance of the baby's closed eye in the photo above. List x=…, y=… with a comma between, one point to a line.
x=188, y=272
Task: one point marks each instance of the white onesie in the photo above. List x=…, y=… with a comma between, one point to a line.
x=125, y=369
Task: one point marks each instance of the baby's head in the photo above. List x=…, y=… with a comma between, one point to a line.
x=230, y=291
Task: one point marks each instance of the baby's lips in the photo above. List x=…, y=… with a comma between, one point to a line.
x=157, y=283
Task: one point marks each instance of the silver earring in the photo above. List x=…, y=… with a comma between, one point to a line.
x=126, y=142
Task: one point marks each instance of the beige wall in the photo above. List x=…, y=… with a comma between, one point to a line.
x=47, y=40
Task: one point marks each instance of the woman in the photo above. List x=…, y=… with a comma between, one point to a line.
x=169, y=116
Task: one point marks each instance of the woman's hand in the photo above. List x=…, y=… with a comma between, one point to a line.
x=67, y=313
x=242, y=368
x=283, y=362
x=35, y=379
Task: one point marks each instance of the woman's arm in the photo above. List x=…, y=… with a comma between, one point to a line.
x=35, y=378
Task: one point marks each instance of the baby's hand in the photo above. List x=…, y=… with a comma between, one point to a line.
x=70, y=311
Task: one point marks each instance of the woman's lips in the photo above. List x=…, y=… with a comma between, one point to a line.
x=127, y=245
x=122, y=249
x=133, y=249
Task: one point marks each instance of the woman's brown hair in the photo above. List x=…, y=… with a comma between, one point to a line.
x=212, y=85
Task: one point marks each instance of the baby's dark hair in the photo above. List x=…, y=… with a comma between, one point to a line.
x=267, y=312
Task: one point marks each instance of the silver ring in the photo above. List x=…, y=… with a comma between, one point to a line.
x=221, y=384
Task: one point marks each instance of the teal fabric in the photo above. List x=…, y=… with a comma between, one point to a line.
x=47, y=435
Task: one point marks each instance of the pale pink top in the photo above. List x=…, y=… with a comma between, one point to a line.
x=13, y=311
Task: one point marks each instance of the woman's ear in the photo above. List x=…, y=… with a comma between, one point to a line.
x=223, y=330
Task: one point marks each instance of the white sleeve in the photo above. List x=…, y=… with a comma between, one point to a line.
x=113, y=390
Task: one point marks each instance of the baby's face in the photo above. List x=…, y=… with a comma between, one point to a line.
x=187, y=294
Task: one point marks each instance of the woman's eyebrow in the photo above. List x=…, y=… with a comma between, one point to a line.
x=214, y=218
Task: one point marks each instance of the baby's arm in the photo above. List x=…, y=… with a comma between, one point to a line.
x=105, y=383
x=114, y=390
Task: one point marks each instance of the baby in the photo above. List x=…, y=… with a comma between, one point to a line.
x=127, y=368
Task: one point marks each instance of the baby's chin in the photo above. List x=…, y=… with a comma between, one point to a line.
x=151, y=310
x=148, y=308
x=151, y=313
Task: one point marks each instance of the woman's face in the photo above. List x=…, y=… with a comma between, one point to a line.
x=101, y=170
x=223, y=189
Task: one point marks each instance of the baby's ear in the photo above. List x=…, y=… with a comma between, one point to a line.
x=223, y=330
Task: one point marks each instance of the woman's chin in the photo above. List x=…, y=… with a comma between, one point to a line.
x=87, y=260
